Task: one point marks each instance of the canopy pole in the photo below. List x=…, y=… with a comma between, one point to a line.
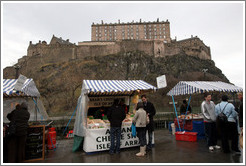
x=176, y=113
x=187, y=110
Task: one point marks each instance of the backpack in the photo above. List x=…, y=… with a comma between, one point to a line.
x=222, y=118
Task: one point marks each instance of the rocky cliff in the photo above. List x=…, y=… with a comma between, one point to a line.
x=60, y=83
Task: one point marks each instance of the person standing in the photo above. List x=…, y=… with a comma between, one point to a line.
x=140, y=120
x=240, y=97
x=183, y=108
x=150, y=109
x=17, y=142
x=99, y=113
x=228, y=129
x=209, y=118
x=115, y=116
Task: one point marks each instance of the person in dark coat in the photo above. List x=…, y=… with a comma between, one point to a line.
x=116, y=115
x=17, y=142
x=150, y=109
x=183, y=108
x=240, y=97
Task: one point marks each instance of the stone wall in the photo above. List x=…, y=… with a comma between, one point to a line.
x=52, y=53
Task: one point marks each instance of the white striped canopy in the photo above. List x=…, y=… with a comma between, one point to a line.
x=28, y=90
x=115, y=87
x=190, y=87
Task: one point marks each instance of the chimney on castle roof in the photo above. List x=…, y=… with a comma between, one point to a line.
x=39, y=41
x=119, y=21
x=140, y=20
x=67, y=40
x=30, y=42
x=102, y=21
x=191, y=36
x=157, y=19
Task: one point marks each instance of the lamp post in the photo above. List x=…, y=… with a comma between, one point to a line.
x=17, y=67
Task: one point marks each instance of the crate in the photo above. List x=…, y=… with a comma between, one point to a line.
x=186, y=136
x=198, y=126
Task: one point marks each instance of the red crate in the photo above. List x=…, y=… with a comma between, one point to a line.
x=186, y=136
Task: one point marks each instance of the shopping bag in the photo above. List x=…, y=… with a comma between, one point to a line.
x=241, y=140
x=134, y=132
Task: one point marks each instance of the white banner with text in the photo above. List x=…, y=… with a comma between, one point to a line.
x=99, y=139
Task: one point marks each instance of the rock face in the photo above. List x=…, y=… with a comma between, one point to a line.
x=60, y=83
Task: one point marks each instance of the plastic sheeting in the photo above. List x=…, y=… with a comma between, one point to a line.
x=81, y=114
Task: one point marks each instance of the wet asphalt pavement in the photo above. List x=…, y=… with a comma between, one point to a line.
x=166, y=150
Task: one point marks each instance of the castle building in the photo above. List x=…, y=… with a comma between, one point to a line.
x=152, y=38
x=156, y=30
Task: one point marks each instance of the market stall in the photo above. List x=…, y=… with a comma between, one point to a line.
x=101, y=93
x=190, y=87
x=28, y=92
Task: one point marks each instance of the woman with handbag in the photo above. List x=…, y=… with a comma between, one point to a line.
x=140, y=120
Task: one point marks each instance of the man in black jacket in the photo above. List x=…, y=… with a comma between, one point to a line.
x=17, y=142
x=115, y=115
x=150, y=109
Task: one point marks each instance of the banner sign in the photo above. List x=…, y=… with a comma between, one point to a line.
x=106, y=101
x=99, y=139
x=161, y=81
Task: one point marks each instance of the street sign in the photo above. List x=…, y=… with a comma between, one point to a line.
x=20, y=82
x=161, y=81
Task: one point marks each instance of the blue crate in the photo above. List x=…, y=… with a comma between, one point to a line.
x=198, y=126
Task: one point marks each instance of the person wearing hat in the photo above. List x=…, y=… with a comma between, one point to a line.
x=228, y=129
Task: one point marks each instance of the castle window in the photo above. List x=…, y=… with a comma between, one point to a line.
x=155, y=37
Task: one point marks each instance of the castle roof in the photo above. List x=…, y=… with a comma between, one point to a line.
x=55, y=40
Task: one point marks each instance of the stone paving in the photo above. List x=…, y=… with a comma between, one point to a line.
x=166, y=150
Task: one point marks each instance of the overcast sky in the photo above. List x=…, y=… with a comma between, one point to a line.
x=220, y=25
